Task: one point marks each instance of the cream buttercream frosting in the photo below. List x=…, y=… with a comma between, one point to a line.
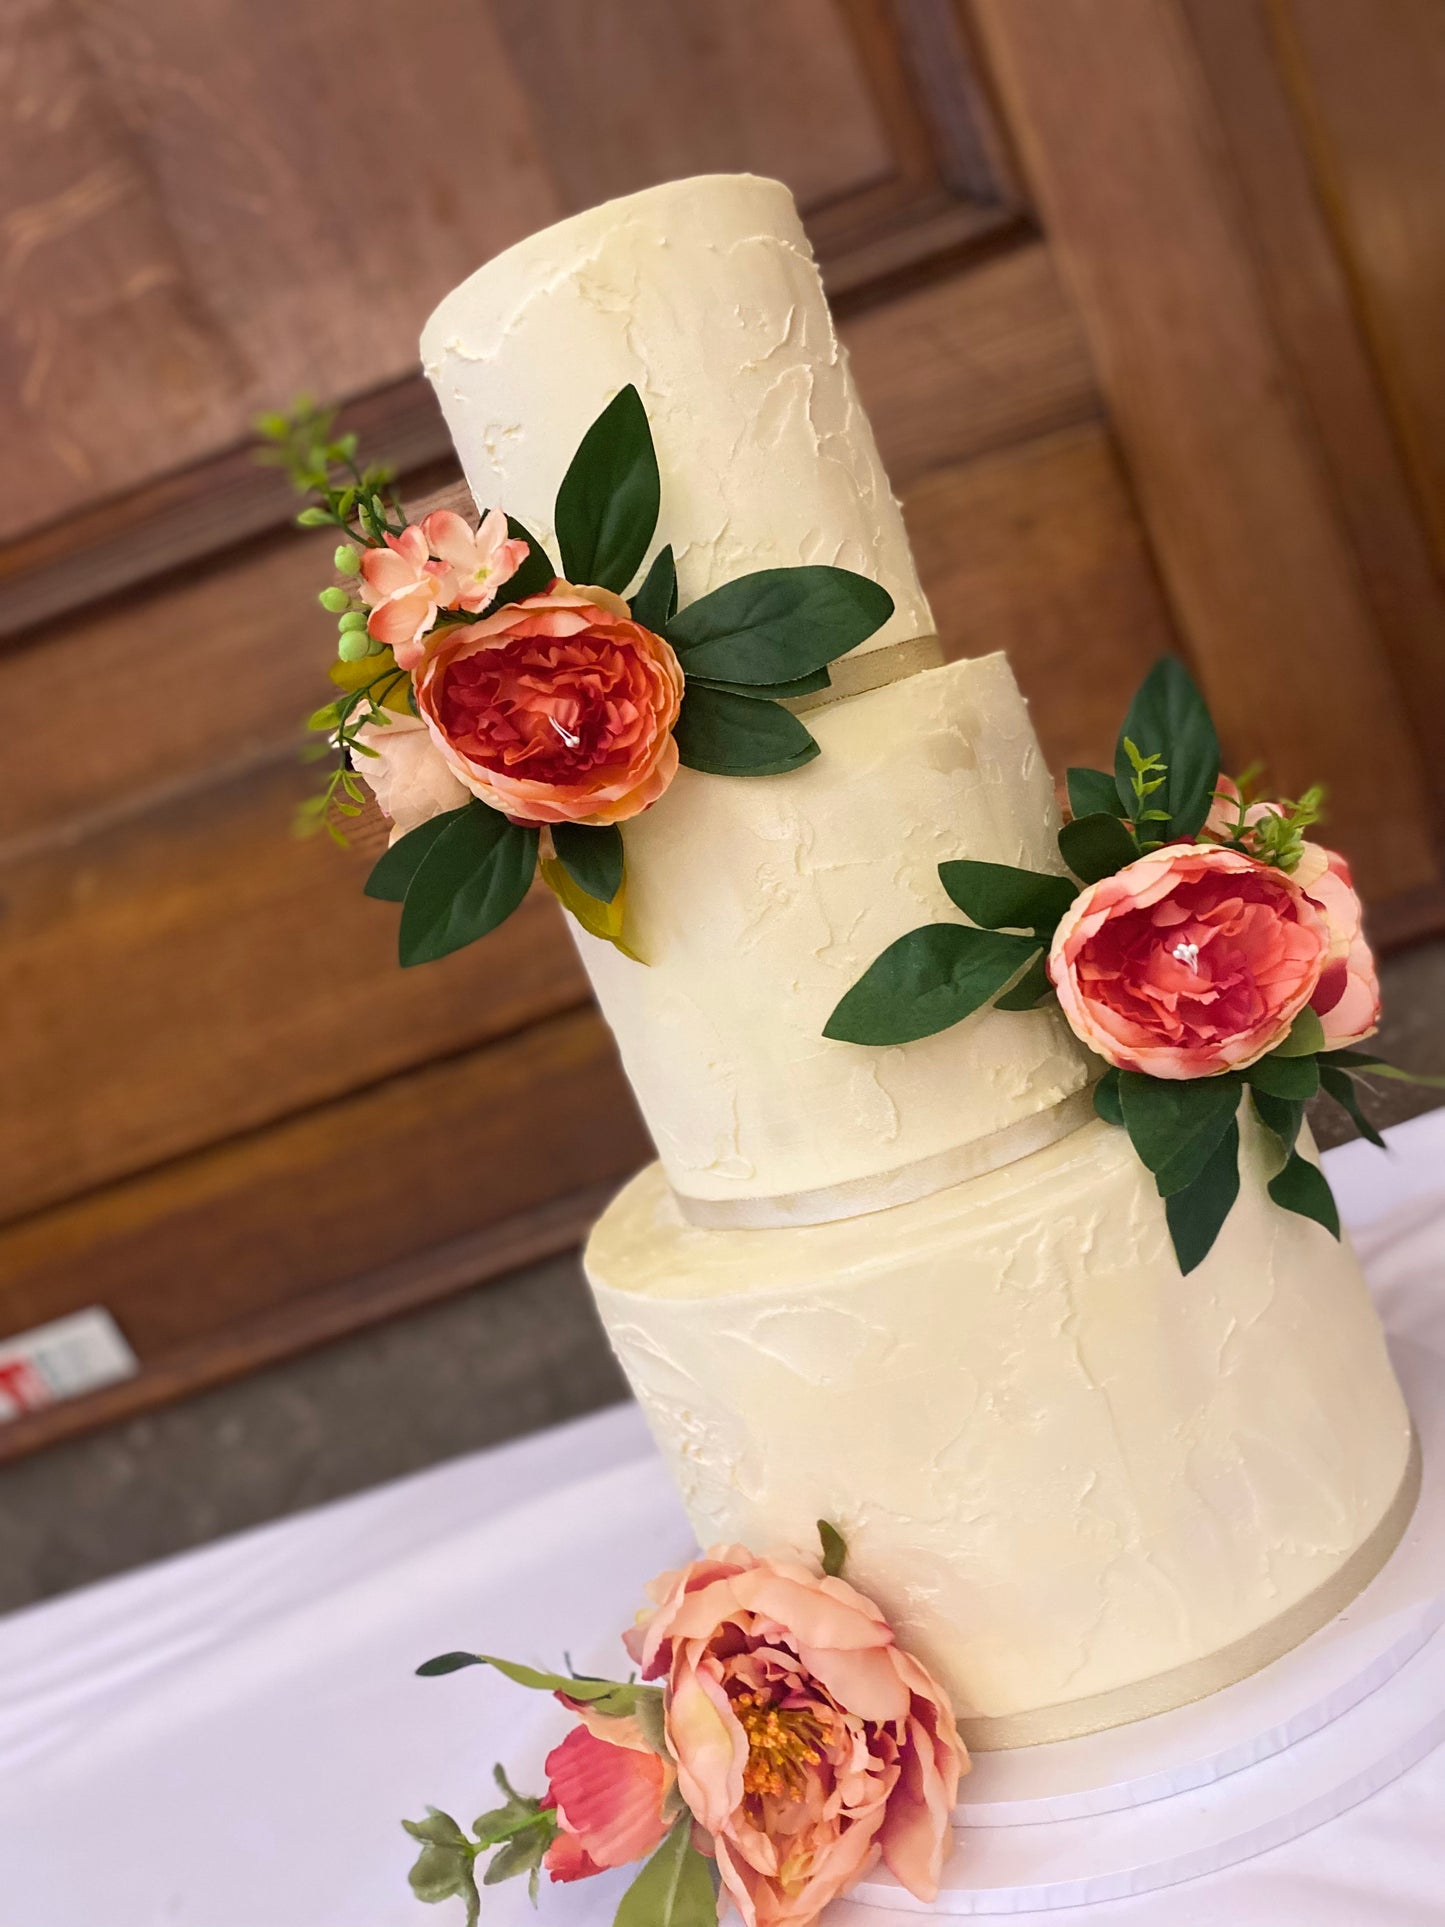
x=1061, y=1468
x=757, y=902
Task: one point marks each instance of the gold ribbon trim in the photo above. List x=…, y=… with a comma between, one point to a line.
x=855, y=675
x=1198, y=1678
x=856, y=1197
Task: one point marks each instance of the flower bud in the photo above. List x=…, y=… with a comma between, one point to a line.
x=353, y=645
x=313, y=518
x=353, y=619
x=347, y=560
x=334, y=599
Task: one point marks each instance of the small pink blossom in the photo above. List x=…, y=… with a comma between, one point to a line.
x=481, y=560
x=807, y=1744
x=403, y=586
x=1347, y=997
x=610, y=1791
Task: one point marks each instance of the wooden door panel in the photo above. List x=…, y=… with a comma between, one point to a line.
x=1241, y=512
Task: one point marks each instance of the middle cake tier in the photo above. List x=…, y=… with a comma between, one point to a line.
x=758, y=904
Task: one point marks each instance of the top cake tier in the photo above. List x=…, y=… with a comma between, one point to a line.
x=757, y=902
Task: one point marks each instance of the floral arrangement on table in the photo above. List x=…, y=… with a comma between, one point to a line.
x=1203, y=946
x=787, y=1746
x=509, y=716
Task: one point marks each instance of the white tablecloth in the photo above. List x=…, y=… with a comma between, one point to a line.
x=230, y=1738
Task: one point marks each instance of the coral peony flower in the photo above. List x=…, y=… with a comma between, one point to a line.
x=404, y=586
x=1193, y=960
x=406, y=773
x=610, y=1791
x=557, y=709
x=1347, y=997
x=806, y=1743
x=480, y=560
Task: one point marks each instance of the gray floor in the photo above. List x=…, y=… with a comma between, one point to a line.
x=483, y=1367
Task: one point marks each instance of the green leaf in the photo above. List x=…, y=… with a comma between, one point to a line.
x=1175, y=1124
x=835, y=1548
x=1292, y=1077
x=674, y=1889
x=517, y=1812
x=777, y=624
x=448, y=1663
x=1196, y=1214
x=1366, y=1066
x=727, y=735
x=1306, y=1037
x=392, y=873
x=769, y=691
x=536, y=575
x=1341, y=1087
x=608, y=502
x=1092, y=793
x=996, y=896
x=1107, y=1102
x=929, y=979
x=1031, y=988
x=523, y=1853
x=657, y=598
x=1303, y=1188
x=1096, y=846
x=1281, y=1115
x=472, y=878
x=591, y=854
x=444, y=1869
x=1168, y=718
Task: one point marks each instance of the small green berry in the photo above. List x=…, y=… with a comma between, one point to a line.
x=335, y=600
x=353, y=645
x=353, y=619
x=347, y=560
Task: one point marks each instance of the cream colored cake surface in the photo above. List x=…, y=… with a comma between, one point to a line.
x=1060, y=1468
x=758, y=902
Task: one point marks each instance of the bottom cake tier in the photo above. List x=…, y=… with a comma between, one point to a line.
x=1083, y=1488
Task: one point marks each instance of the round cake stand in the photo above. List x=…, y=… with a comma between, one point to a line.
x=1190, y=1792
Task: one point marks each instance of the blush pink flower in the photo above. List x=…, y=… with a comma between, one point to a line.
x=557, y=709
x=807, y=1744
x=1193, y=960
x=1347, y=998
x=481, y=560
x=405, y=773
x=610, y=1791
x=404, y=586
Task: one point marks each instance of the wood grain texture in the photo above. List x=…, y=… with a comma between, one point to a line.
x=354, y=1210
x=1038, y=550
x=1308, y=285
x=1228, y=473
x=195, y=972
x=1368, y=83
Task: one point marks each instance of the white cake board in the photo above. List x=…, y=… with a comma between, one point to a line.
x=1188, y=1793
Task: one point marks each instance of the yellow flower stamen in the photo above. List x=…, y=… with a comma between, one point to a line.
x=783, y=1743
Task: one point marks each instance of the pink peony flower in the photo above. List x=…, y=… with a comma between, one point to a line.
x=480, y=560
x=406, y=773
x=1347, y=998
x=557, y=709
x=404, y=586
x=1193, y=960
x=806, y=1743
x=610, y=1791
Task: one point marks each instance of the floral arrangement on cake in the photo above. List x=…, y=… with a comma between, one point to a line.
x=1203, y=946
x=507, y=715
x=779, y=1745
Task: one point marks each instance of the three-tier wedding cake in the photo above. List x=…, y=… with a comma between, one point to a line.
x=919, y=1290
